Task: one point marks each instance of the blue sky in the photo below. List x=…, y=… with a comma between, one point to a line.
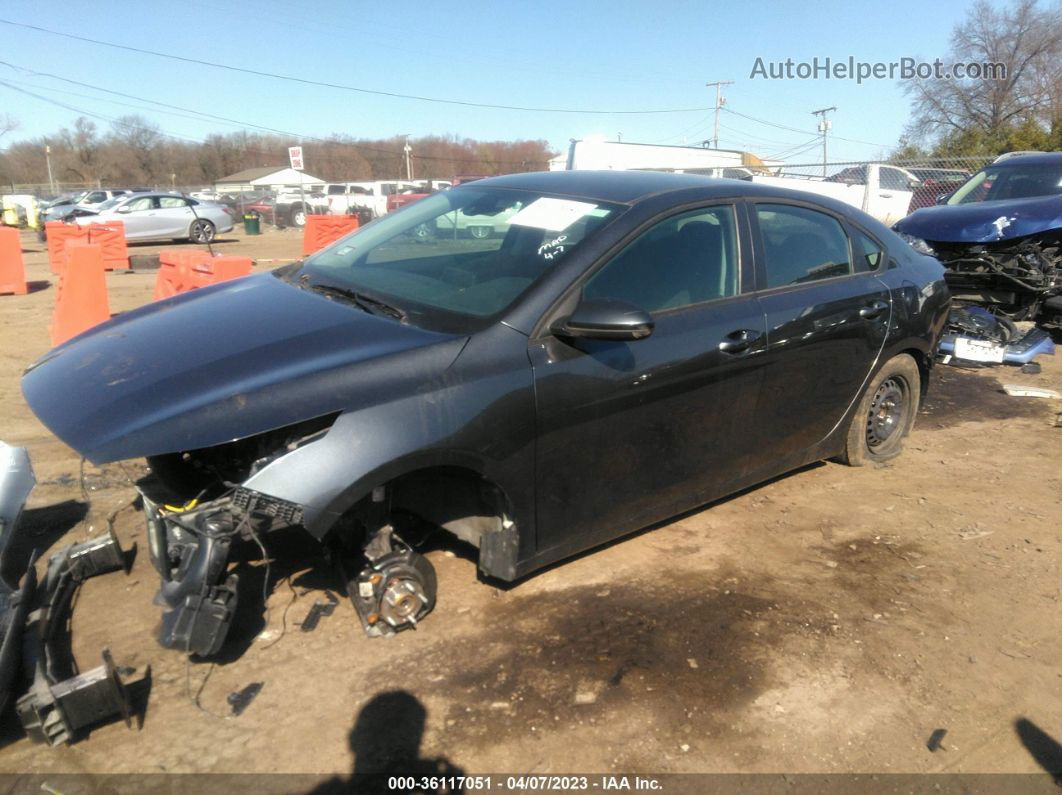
x=616, y=55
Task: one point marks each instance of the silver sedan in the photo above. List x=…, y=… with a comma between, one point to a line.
x=151, y=216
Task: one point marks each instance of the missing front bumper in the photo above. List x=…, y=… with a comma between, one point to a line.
x=189, y=546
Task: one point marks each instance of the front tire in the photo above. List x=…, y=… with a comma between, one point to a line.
x=298, y=216
x=885, y=414
x=480, y=232
x=202, y=231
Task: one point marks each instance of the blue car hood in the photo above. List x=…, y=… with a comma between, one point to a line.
x=220, y=364
x=984, y=222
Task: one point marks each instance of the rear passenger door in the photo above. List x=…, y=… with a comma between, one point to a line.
x=827, y=319
x=174, y=217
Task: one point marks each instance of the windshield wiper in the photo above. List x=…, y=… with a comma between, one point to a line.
x=370, y=304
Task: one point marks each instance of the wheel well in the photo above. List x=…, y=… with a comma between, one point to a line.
x=452, y=498
x=925, y=363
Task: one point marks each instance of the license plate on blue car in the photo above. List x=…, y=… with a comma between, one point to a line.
x=978, y=350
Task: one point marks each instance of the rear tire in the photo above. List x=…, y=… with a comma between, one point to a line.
x=885, y=414
x=201, y=231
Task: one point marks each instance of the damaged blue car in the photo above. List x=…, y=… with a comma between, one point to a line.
x=999, y=237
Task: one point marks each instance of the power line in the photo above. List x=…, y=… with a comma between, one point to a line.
x=797, y=149
x=341, y=87
x=186, y=139
x=795, y=129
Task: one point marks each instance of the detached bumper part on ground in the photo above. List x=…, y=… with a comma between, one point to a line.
x=60, y=702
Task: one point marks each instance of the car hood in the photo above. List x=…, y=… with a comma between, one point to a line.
x=220, y=364
x=984, y=222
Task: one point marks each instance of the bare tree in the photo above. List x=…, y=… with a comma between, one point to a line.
x=8, y=124
x=83, y=143
x=141, y=139
x=1027, y=40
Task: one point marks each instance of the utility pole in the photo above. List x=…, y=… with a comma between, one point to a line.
x=824, y=127
x=409, y=165
x=48, y=160
x=720, y=100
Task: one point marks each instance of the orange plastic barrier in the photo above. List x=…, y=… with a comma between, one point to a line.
x=220, y=269
x=59, y=234
x=111, y=238
x=181, y=271
x=81, y=299
x=320, y=230
x=12, y=271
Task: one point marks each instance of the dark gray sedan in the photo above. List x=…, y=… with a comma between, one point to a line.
x=622, y=347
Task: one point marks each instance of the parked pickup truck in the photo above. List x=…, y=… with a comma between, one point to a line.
x=879, y=190
x=346, y=197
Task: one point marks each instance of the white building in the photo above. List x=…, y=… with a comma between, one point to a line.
x=270, y=178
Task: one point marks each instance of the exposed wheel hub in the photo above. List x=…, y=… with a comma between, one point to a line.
x=397, y=587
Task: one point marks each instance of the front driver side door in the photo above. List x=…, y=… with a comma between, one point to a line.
x=633, y=432
x=138, y=215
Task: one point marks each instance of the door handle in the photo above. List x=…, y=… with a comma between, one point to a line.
x=739, y=341
x=873, y=310
x=885, y=195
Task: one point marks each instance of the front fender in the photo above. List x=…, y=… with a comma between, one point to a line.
x=479, y=415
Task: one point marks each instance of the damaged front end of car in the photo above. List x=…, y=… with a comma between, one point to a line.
x=199, y=503
x=1003, y=267
x=1019, y=280
x=996, y=286
x=196, y=508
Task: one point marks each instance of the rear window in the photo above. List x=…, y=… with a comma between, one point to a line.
x=801, y=245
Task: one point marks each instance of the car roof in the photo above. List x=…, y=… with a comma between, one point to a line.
x=1031, y=159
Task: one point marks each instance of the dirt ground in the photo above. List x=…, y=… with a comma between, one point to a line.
x=829, y=621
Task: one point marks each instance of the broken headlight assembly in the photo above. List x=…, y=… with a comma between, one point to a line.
x=917, y=243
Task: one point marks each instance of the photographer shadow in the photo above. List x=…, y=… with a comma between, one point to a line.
x=385, y=742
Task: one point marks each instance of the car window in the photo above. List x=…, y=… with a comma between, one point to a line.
x=95, y=196
x=171, y=202
x=683, y=260
x=141, y=203
x=1010, y=182
x=868, y=254
x=801, y=245
x=468, y=254
x=894, y=179
x=336, y=190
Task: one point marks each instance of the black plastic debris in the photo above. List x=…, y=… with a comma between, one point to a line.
x=241, y=699
x=318, y=611
x=936, y=740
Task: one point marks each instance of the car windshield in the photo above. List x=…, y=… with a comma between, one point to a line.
x=458, y=256
x=1010, y=182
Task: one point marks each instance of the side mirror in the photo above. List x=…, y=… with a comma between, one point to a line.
x=125, y=208
x=943, y=197
x=605, y=319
